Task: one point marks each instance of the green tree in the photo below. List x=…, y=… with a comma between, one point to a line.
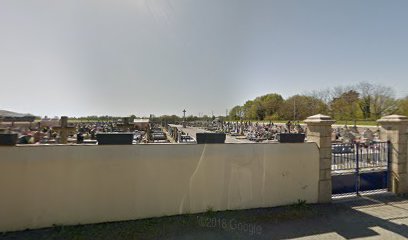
x=346, y=106
x=257, y=110
x=270, y=104
x=402, y=106
x=299, y=107
x=235, y=113
x=248, y=110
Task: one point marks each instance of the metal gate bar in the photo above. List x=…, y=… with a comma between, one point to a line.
x=360, y=167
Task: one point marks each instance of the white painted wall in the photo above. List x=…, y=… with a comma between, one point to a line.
x=65, y=185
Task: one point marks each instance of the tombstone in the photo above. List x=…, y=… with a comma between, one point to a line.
x=37, y=136
x=354, y=129
x=80, y=138
x=291, y=137
x=25, y=139
x=334, y=135
x=377, y=135
x=114, y=138
x=348, y=136
x=203, y=138
x=63, y=130
x=241, y=129
x=298, y=128
x=288, y=125
x=368, y=134
x=126, y=125
x=8, y=139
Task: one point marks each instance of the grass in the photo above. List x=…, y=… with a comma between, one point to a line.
x=164, y=227
x=338, y=122
x=359, y=122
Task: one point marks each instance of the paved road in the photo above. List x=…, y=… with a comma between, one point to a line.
x=382, y=216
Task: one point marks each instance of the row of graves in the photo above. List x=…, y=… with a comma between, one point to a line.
x=178, y=135
x=351, y=135
x=99, y=132
x=157, y=135
x=123, y=132
x=35, y=133
x=358, y=149
x=260, y=132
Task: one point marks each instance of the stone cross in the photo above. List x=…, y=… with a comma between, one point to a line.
x=184, y=118
x=63, y=130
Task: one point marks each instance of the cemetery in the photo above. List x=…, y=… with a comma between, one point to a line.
x=61, y=131
x=172, y=119
x=121, y=178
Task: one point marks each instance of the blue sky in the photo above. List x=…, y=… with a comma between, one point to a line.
x=122, y=57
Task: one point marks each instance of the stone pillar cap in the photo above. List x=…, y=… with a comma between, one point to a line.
x=319, y=118
x=393, y=119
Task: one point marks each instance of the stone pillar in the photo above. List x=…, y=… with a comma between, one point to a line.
x=394, y=129
x=319, y=129
x=63, y=130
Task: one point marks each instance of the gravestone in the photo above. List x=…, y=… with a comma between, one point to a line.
x=368, y=134
x=334, y=135
x=354, y=129
x=241, y=129
x=291, y=137
x=8, y=139
x=348, y=136
x=203, y=138
x=114, y=138
x=63, y=130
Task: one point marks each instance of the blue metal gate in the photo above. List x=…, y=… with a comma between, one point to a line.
x=360, y=167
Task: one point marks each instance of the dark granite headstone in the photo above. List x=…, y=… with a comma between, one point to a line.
x=114, y=138
x=8, y=139
x=203, y=138
x=291, y=137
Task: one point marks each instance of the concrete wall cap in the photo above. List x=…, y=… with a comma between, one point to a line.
x=320, y=118
x=393, y=119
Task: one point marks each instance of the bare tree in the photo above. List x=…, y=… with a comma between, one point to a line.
x=324, y=95
x=376, y=100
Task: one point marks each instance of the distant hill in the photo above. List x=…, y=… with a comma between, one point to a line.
x=13, y=116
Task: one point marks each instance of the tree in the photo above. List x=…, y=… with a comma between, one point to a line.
x=248, y=110
x=261, y=107
x=366, y=92
x=235, y=113
x=325, y=95
x=257, y=110
x=403, y=106
x=299, y=107
x=376, y=100
x=383, y=102
x=132, y=118
x=271, y=103
x=345, y=106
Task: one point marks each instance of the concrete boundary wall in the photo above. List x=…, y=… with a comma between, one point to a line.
x=67, y=185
